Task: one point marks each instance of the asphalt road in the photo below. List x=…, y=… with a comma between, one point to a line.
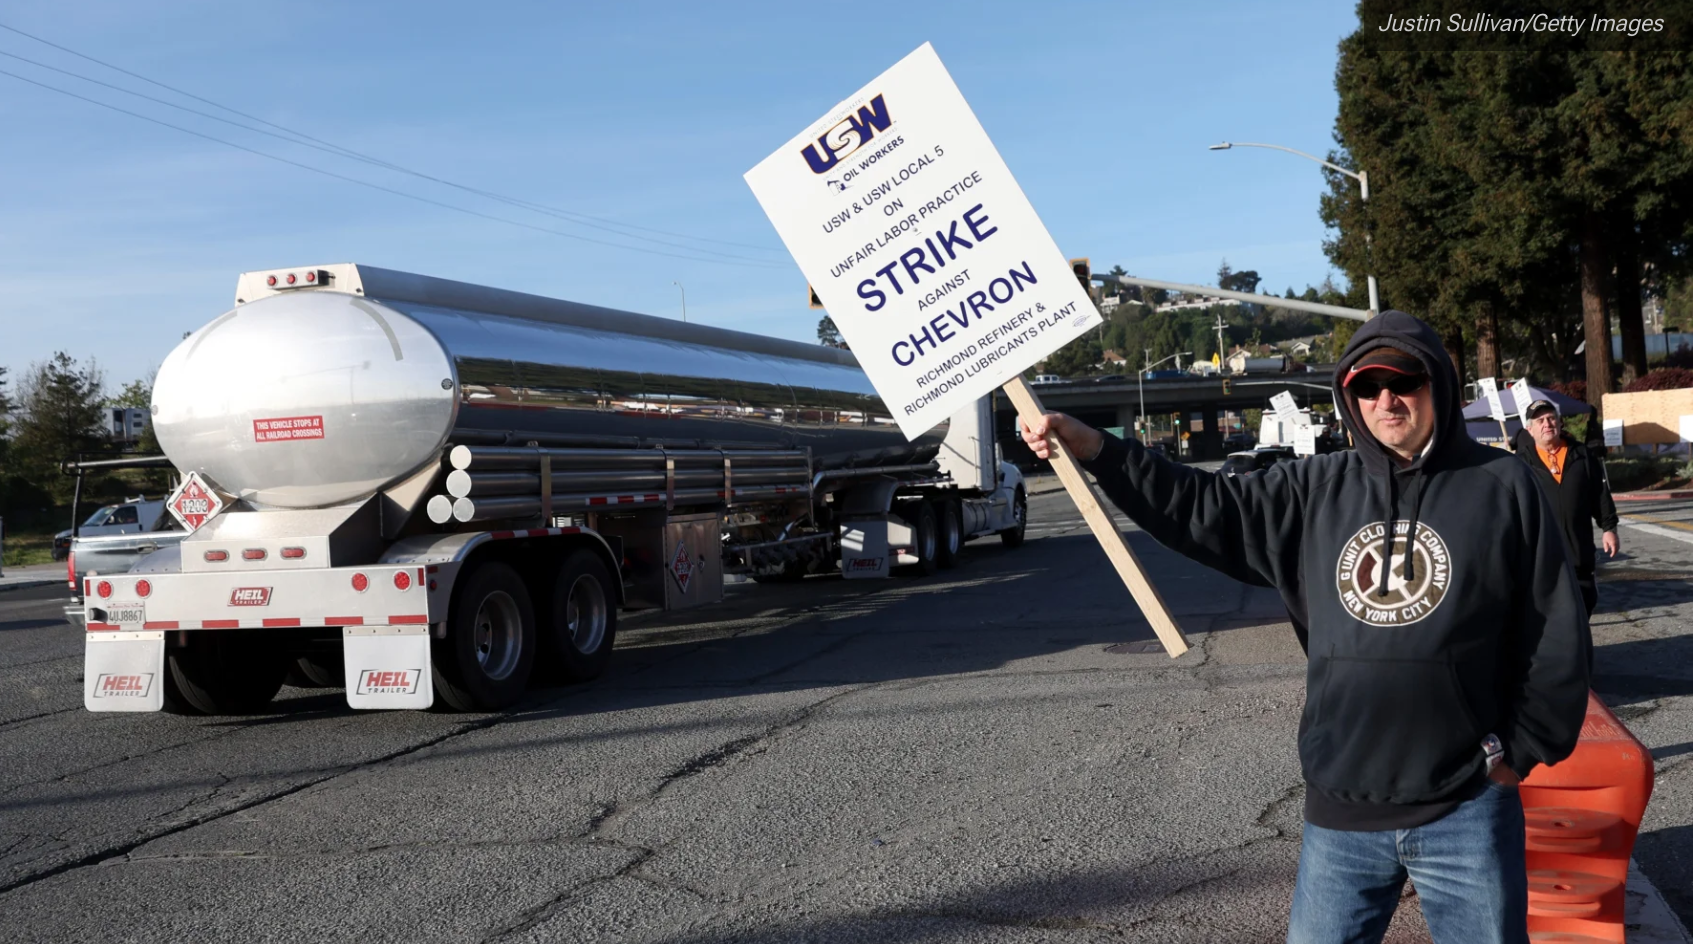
x=975, y=756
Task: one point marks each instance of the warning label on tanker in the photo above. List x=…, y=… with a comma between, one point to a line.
x=288, y=428
x=921, y=245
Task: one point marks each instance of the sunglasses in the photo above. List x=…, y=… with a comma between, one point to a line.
x=1401, y=385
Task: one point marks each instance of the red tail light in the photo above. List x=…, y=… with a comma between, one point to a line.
x=360, y=583
x=402, y=580
x=253, y=553
x=104, y=588
x=293, y=553
x=71, y=569
x=143, y=588
x=216, y=556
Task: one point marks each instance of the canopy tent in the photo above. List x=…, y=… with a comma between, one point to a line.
x=1480, y=426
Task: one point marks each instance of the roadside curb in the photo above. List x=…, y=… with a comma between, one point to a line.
x=1652, y=496
x=24, y=583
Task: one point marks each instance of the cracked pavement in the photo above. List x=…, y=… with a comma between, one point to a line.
x=957, y=758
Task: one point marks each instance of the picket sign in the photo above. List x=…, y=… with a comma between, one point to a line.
x=934, y=266
x=1488, y=386
x=1124, y=559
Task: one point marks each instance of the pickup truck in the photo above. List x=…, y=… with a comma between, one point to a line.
x=131, y=517
x=114, y=554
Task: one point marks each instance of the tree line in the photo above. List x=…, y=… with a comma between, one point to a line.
x=1525, y=202
x=55, y=411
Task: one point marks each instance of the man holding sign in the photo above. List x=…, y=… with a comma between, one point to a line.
x=1445, y=635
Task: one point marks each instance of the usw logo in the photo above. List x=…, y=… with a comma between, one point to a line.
x=847, y=136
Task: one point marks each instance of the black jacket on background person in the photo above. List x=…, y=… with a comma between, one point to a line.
x=1479, y=630
x=1582, y=495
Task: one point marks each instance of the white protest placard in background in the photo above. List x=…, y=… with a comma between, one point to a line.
x=1304, y=440
x=920, y=243
x=1284, y=404
x=1521, y=397
x=1487, y=386
x=1613, y=432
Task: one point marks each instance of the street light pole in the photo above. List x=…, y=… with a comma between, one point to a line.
x=1365, y=191
x=683, y=298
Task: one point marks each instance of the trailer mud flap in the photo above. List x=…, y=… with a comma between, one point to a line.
x=124, y=671
x=865, y=549
x=387, y=666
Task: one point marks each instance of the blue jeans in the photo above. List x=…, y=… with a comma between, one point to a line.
x=1468, y=868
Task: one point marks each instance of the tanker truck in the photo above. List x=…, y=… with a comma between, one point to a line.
x=424, y=491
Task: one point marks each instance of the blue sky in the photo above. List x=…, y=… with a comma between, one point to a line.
x=118, y=235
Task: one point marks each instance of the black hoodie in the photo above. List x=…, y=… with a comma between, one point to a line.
x=1479, y=631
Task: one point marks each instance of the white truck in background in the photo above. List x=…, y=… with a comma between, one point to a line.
x=421, y=489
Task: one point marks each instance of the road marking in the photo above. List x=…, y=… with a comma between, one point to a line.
x=1665, y=524
x=1658, y=530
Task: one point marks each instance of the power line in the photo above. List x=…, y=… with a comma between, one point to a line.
x=332, y=151
x=300, y=137
x=389, y=190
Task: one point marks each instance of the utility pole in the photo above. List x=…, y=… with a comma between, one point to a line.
x=1219, y=326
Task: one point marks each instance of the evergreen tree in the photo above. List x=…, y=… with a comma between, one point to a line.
x=60, y=416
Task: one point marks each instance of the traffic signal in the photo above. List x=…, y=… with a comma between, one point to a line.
x=1225, y=386
x=1080, y=268
x=813, y=298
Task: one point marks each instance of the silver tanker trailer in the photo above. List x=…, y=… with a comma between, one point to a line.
x=423, y=489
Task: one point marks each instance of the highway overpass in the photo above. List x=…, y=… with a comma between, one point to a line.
x=1114, y=403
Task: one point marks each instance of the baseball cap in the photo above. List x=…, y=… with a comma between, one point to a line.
x=1386, y=358
x=1539, y=407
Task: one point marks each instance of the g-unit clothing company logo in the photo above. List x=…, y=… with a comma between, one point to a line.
x=847, y=136
x=1406, y=600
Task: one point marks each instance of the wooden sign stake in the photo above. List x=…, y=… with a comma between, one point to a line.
x=1083, y=495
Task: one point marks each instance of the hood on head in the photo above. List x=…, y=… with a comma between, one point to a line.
x=1408, y=334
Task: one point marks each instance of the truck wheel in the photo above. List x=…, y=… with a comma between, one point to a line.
x=585, y=617
x=924, y=540
x=225, y=672
x=1015, y=536
x=484, y=663
x=318, y=670
x=948, y=538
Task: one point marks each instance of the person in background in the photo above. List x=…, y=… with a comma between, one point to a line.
x=1572, y=479
x=1446, y=640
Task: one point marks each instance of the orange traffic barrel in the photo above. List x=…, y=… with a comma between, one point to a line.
x=1581, y=820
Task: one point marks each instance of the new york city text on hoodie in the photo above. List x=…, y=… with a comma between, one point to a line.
x=1436, y=603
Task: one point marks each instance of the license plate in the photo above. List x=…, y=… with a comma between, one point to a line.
x=125, y=613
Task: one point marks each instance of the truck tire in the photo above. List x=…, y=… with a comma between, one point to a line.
x=949, y=538
x=584, y=617
x=316, y=670
x=224, y=672
x=484, y=663
x=1015, y=536
x=925, y=540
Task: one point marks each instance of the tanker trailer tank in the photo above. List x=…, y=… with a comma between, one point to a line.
x=323, y=395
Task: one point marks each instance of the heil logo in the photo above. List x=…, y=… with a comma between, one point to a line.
x=387, y=682
x=123, y=686
x=865, y=563
x=250, y=596
x=847, y=136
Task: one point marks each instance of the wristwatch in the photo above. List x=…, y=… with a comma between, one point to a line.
x=1492, y=752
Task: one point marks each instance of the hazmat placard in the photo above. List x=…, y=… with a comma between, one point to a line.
x=921, y=245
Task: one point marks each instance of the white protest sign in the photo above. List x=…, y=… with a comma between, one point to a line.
x=1521, y=397
x=921, y=244
x=1613, y=432
x=1304, y=440
x=1284, y=404
x=1487, y=386
x=1686, y=428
